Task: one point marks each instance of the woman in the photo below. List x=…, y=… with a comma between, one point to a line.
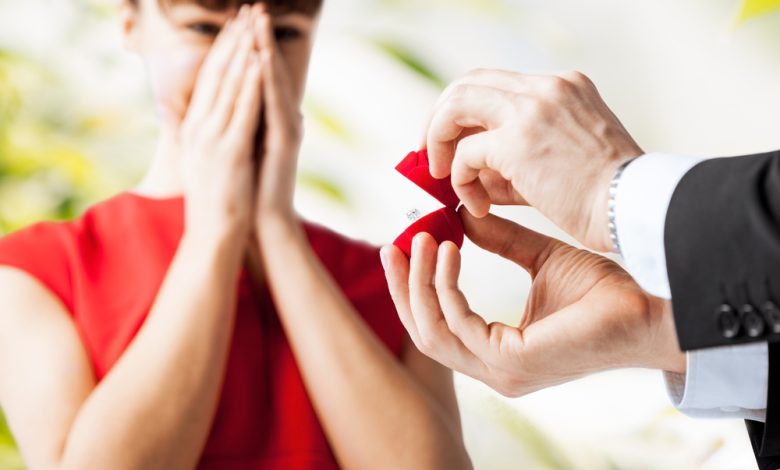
x=194, y=320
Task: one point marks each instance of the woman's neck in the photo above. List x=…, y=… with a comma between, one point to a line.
x=162, y=179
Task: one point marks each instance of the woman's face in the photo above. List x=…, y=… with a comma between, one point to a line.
x=173, y=41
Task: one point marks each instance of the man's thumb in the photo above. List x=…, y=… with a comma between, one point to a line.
x=507, y=239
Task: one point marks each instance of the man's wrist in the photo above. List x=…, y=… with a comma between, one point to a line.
x=664, y=351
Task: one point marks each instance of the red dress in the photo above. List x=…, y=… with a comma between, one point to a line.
x=107, y=266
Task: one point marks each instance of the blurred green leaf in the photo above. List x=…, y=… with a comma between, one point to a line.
x=9, y=454
x=5, y=432
x=754, y=8
x=409, y=60
x=327, y=120
x=324, y=186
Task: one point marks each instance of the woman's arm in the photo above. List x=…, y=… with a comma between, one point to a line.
x=155, y=406
x=375, y=413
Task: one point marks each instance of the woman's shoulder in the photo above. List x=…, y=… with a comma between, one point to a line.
x=110, y=214
x=41, y=250
x=51, y=251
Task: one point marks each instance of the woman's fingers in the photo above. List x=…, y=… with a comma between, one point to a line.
x=246, y=114
x=277, y=92
x=210, y=76
x=283, y=125
x=234, y=80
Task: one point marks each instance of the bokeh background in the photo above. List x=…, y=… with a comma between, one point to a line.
x=698, y=77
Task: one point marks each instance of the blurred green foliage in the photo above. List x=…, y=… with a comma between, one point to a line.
x=9, y=455
x=755, y=8
x=44, y=171
x=409, y=60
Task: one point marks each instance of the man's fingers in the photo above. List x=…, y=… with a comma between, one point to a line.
x=468, y=106
x=474, y=179
x=500, y=189
x=422, y=294
x=501, y=79
x=471, y=155
x=397, y=275
x=469, y=327
x=509, y=240
x=435, y=338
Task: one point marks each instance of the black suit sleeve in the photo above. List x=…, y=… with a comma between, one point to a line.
x=722, y=241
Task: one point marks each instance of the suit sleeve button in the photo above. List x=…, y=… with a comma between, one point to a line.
x=728, y=322
x=771, y=315
x=752, y=321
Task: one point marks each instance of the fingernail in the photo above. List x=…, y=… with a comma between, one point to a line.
x=383, y=257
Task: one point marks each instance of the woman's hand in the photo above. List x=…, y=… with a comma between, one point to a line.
x=216, y=137
x=584, y=313
x=278, y=155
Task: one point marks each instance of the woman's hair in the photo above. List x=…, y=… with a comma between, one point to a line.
x=307, y=7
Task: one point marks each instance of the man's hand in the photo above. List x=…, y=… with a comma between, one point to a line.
x=552, y=139
x=584, y=313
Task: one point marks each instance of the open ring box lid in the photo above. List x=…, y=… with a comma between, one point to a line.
x=443, y=224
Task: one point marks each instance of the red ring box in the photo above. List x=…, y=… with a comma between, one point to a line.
x=443, y=224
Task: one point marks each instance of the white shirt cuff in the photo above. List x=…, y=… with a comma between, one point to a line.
x=723, y=382
x=643, y=195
